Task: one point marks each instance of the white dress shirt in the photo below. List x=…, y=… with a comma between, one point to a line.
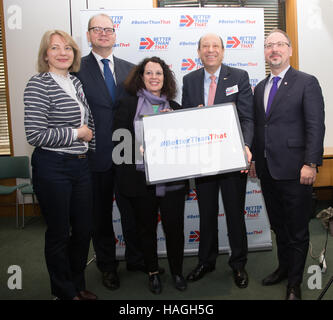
x=101, y=65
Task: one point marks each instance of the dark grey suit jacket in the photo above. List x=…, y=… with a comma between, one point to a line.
x=193, y=95
x=292, y=134
x=102, y=106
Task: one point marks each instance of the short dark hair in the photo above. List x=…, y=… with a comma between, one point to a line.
x=199, y=43
x=134, y=81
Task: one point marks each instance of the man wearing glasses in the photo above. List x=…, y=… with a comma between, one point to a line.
x=288, y=147
x=102, y=75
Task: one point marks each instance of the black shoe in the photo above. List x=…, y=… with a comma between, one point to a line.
x=111, y=280
x=142, y=268
x=276, y=277
x=155, y=284
x=199, y=271
x=180, y=282
x=293, y=293
x=241, y=278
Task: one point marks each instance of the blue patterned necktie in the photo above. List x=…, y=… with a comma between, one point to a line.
x=109, y=80
x=272, y=93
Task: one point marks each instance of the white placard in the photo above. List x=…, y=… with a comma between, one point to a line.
x=193, y=142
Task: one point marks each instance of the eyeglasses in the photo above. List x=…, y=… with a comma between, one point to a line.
x=279, y=44
x=99, y=30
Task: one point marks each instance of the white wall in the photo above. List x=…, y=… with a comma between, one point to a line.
x=25, y=23
x=315, y=44
x=22, y=43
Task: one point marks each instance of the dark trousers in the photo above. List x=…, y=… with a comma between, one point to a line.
x=133, y=249
x=289, y=206
x=63, y=188
x=104, y=238
x=233, y=188
x=171, y=208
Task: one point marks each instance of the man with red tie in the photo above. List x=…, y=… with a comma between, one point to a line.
x=288, y=146
x=217, y=83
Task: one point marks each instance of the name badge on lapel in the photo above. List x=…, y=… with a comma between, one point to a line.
x=231, y=90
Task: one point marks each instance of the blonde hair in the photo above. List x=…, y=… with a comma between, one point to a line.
x=42, y=64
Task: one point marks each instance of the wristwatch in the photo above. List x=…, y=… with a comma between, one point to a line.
x=312, y=165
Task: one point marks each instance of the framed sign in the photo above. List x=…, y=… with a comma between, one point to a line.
x=193, y=142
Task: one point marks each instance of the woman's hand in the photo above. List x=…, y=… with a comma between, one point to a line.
x=84, y=133
x=166, y=110
x=142, y=151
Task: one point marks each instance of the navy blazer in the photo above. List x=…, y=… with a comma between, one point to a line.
x=102, y=106
x=193, y=95
x=292, y=134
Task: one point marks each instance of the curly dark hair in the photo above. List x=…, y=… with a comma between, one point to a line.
x=134, y=81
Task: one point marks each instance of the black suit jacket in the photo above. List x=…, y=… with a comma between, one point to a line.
x=130, y=181
x=193, y=95
x=292, y=134
x=102, y=106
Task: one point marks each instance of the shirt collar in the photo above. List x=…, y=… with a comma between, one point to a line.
x=281, y=74
x=217, y=73
x=99, y=58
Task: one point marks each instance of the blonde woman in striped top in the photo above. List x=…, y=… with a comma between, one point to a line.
x=59, y=124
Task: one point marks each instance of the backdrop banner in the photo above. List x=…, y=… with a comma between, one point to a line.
x=172, y=34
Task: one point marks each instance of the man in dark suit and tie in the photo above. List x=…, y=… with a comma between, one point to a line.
x=102, y=75
x=288, y=147
x=217, y=83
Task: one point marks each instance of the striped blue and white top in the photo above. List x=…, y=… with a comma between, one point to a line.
x=51, y=115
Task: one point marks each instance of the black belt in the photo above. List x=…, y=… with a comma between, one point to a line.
x=72, y=155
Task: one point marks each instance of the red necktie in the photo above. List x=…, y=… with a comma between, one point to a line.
x=212, y=90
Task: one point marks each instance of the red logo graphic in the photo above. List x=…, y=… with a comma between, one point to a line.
x=192, y=195
x=185, y=21
x=146, y=43
x=194, y=236
x=188, y=64
x=232, y=42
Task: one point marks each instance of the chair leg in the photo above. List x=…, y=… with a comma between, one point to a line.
x=17, y=212
x=23, y=211
x=33, y=204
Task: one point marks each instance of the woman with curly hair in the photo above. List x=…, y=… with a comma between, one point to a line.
x=152, y=87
